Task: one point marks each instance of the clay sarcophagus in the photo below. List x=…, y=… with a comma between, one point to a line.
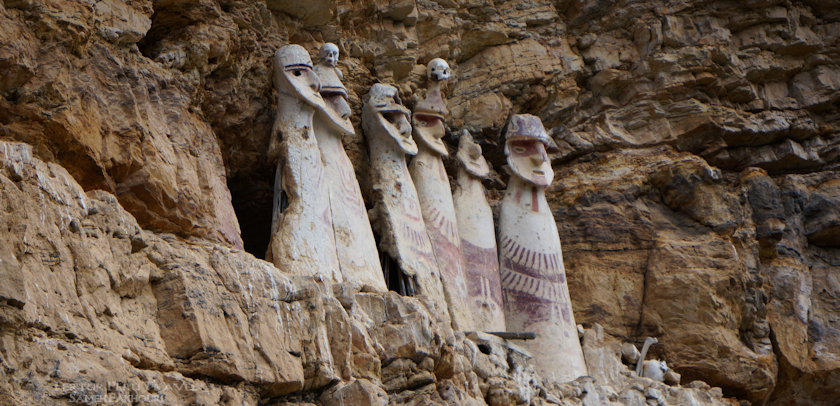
x=478, y=238
x=302, y=239
x=435, y=193
x=396, y=215
x=534, y=288
x=357, y=255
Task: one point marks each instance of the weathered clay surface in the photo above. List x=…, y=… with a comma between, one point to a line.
x=302, y=237
x=396, y=214
x=435, y=194
x=533, y=278
x=105, y=312
x=354, y=241
x=156, y=101
x=478, y=238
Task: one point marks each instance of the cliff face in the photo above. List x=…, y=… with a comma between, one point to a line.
x=696, y=194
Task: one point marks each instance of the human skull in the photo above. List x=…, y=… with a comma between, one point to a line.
x=438, y=70
x=329, y=53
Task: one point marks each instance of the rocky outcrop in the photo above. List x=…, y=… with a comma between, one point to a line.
x=696, y=192
x=79, y=90
x=99, y=311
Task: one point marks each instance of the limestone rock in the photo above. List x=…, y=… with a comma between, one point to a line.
x=150, y=149
x=713, y=269
x=166, y=105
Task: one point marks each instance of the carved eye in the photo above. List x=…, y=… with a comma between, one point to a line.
x=296, y=72
x=433, y=69
x=519, y=149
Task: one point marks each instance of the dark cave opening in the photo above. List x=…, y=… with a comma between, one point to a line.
x=396, y=280
x=252, y=196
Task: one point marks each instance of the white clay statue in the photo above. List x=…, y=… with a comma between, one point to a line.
x=536, y=296
x=396, y=215
x=435, y=196
x=302, y=240
x=357, y=254
x=478, y=238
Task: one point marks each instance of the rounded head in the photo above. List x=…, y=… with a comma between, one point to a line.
x=293, y=75
x=329, y=53
x=525, y=147
x=437, y=70
x=527, y=126
x=469, y=154
x=384, y=112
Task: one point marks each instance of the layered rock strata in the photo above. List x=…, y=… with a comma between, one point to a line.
x=696, y=138
x=102, y=311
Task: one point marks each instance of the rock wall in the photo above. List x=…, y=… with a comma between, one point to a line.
x=696, y=195
x=96, y=310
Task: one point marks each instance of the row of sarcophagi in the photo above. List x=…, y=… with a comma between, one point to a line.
x=436, y=243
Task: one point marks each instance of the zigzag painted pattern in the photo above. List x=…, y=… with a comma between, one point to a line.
x=446, y=226
x=540, y=288
x=543, y=264
x=418, y=239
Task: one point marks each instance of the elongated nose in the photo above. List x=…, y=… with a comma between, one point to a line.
x=312, y=78
x=343, y=109
x=405, y=127
x=538, y=159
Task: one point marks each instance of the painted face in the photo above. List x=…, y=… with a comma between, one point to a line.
x=437, y=70
x=428, y=127
x=428, y=121
x=294, y=76
x=528, y=159
x=469, y=154
x=329, y=54
x=384, y=112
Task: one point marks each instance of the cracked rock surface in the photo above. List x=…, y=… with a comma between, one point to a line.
x=696, y=194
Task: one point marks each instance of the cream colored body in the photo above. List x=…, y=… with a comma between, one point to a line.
x=534, y=281
x=302, y=239
x=396, y=215
x=438, y=211
x=357, y=255
x=478, y=248
x=436, y=194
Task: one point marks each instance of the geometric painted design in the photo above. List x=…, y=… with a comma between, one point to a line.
x=442, y=224
x=526, y=261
